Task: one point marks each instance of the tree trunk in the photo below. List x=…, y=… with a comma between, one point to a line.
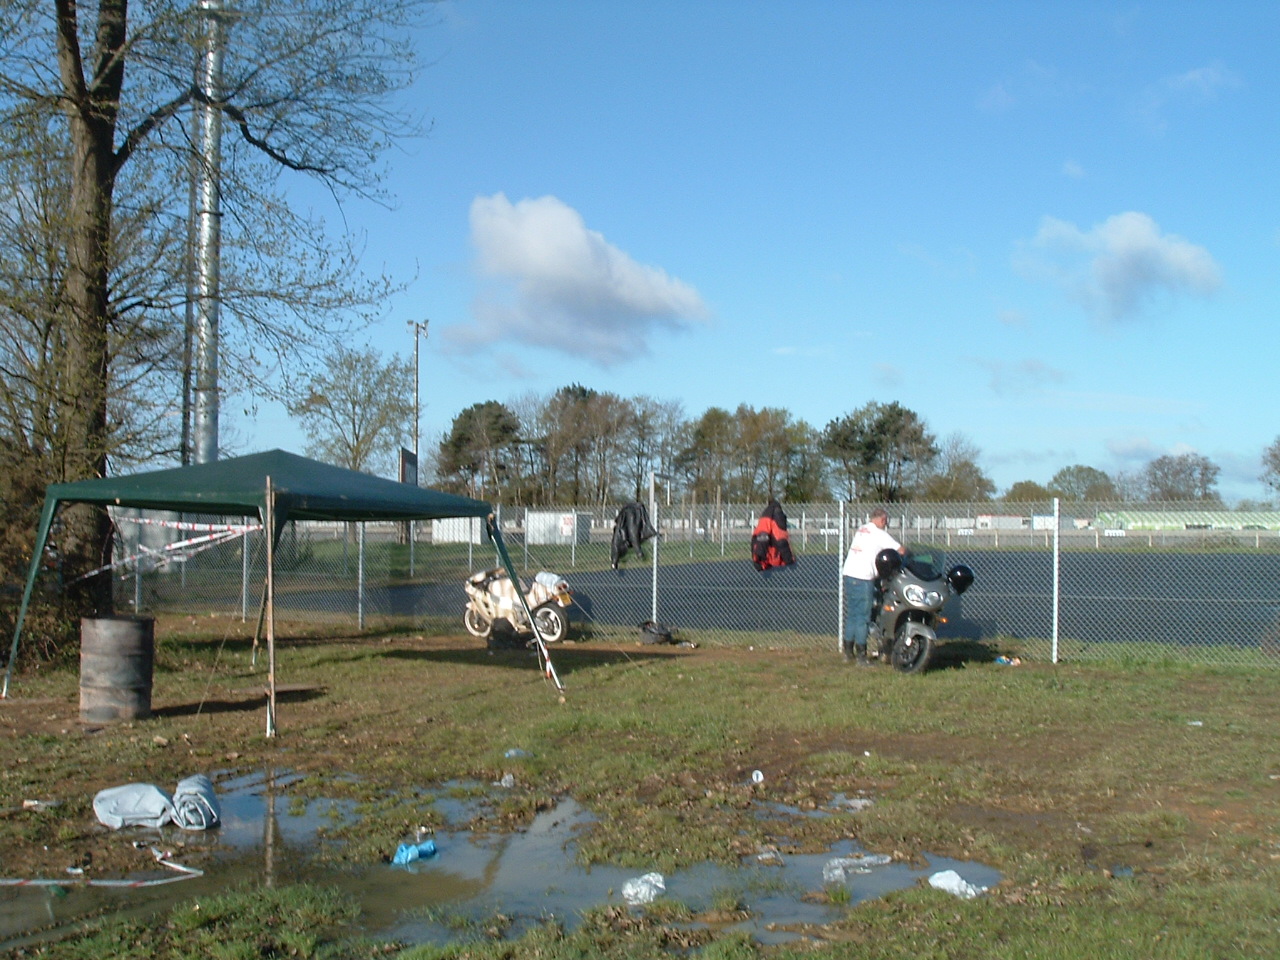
x=91, y=110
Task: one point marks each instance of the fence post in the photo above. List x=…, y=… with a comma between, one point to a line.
x=360, y=578
x=1057, y=557
x=653, y=518
x=840, y=583
x=244, y=576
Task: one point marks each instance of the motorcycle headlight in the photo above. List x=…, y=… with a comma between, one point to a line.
x=918, y=596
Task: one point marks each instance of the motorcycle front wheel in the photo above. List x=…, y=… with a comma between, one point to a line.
x=477, y=624
x=552, y=623
x=911, y=651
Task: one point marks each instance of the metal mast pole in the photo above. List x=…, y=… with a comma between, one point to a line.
x=419, y=330
x=208, y=232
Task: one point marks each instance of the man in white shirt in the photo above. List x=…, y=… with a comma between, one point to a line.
x=859, y=573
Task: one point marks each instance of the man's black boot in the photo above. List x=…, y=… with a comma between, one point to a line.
x=861, y=657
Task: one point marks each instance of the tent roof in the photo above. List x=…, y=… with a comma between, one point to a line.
x=305, y=490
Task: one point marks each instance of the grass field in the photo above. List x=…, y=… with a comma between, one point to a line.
x=1132, y=810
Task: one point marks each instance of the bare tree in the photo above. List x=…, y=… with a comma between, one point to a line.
x=706, y=457
x=1271, y=465
x=306, y=89
x=1079, y=483
x=1185, y=476
x=359, y=412
x=955, y=476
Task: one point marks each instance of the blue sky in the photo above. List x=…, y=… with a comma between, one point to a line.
x=1050, y=226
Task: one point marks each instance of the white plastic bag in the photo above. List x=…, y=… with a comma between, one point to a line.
x=133, y=805
x=952, y=882
x=644, y=889
x=195, y=806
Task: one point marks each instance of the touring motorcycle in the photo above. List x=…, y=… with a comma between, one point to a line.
x=491, y=596
x=911, y=592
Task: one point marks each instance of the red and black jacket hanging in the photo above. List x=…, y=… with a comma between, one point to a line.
x=770, y=542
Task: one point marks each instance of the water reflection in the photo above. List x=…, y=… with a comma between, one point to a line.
x=528, y=876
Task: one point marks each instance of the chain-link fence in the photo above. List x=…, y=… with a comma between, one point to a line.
x=1053, y=581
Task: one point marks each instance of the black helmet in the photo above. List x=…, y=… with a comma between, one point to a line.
x=888, y=561
x=960, y=577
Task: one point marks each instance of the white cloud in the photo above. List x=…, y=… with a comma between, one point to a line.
x=1133, y=450
x=551, y=281
x=1012, y=318
x=1116, y=268
x=1019, y=377
x=1201, y=84
x=887, y=375
x=1072, y=169
x=997, y=99
x=1191, y=88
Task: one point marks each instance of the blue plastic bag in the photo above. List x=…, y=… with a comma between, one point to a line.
x=409, y=852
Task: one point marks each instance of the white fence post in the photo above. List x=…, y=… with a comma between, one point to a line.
x=360, y=579
x=840, y=583
x=1057, y=558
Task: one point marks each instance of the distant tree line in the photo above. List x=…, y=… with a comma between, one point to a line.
x=593, y=448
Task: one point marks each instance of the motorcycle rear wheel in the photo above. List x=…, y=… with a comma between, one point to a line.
x=477, y=624
x=911, y=652
x=552, y=623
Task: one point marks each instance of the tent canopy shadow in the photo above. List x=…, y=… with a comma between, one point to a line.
x=249, y=702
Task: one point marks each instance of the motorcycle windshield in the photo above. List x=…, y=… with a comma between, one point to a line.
x=924, y=563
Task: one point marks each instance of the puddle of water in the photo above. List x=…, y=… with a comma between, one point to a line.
x=528, y=876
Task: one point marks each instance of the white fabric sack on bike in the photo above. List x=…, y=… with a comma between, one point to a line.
x=133, y=805
x=552, y=581
x=195, y=805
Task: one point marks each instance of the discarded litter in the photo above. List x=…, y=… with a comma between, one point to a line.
x=838, y=869
x=193, y=805
x=757, y=776
x=644, y=889
x=39, y=804
x=508, y=781
x=409, y=852
x=1195, y=723
x=162, y=857
x=951, y=882
x=515, y=753
x=1008, y=661
x=854, y=804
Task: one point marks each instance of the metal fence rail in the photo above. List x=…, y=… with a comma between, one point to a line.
x=1089, y=585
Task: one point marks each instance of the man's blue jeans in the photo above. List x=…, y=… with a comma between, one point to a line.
x=859, y=594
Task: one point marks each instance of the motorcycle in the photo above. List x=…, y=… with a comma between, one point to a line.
x=491, y=596
x=912, y=590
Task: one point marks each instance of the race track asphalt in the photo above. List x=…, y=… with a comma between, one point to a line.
x=1183, y=598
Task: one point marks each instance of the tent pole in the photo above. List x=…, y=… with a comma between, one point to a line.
x=544, y=655
x=271, y=610
x=37, y=551
x=262, y=616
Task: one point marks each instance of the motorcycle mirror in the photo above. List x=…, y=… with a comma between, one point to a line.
x=960, y=578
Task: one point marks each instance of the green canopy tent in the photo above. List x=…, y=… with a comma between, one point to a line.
x=276, y=487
